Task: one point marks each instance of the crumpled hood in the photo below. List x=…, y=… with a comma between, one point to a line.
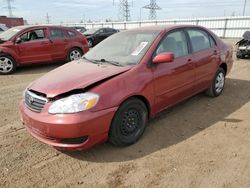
x=5, y=43
x=75, y=75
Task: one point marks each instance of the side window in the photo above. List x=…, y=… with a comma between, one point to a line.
x=71, y=33
x=199, y=40
x=175, y=42
x=109, y=30
x=101, y=31
x=212, y=42
x=1, y=29
x=33, y=35
x=56, y=33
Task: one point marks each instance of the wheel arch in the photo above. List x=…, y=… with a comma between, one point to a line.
x=76, y=47
x=224, y=67
x=9, y=54
x=141, y=98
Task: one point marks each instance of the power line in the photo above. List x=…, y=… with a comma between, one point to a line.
x=124, y=10
x=244, y=9
x=47, y=18
x=152, y=9
x=9, y=7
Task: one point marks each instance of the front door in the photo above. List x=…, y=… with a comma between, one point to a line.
x=34, y=47
x=174, y=81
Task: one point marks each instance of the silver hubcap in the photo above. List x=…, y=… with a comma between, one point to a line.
x=75, y=55
x=219, y=82
x=6, y=65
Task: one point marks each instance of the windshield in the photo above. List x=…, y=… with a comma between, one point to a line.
x=7, y=35
x=90, y=31
x=125, y=48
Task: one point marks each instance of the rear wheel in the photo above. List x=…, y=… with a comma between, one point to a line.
x=218, y=84
x=128, y=123
x=90, y=43
x=74, y=54
x=7, y=64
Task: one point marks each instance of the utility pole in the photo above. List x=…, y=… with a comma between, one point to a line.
x=124, y=11
x=244, y=9
x=47, y=18
x=152, y=8
x=9, y=7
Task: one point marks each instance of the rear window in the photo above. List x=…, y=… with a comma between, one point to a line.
x=56, y=33
x=199, y=40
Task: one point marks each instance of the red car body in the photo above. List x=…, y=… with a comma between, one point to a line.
x=46, y=49
x=159, y=86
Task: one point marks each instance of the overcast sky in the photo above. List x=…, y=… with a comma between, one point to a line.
x=75, y=10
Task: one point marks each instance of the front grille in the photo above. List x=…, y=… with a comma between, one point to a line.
x=34, y=102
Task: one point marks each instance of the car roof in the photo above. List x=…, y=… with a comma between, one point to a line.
x=160, y=28
x=39, y=26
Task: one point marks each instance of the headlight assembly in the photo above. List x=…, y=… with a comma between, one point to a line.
x=74, y=103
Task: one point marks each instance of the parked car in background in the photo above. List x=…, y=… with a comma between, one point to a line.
x=3, y=28
x=123, y=81
x=25, y=45
x=80, y=29
x=243, y=46
x=94, y=36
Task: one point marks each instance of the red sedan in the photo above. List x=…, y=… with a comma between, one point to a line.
x=122, y=82
x=24, y=45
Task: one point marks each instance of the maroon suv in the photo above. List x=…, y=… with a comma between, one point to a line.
x=24, y=45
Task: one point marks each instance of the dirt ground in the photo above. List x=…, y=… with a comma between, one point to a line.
x=202, y=142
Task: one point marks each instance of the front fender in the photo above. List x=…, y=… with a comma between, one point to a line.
x=9, y=52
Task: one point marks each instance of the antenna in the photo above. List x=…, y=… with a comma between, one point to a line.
x=152, y=8
x=47, y=18
x=9, y=7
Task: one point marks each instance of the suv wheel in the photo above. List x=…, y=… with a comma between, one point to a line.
x=74, y=54
x=7, y=64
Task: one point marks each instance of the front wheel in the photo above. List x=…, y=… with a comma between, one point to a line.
x=128, y=123
x=7, y=64
x=74, y=54
x=218, y=84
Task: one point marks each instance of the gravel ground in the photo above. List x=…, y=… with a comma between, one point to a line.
x=202, y=142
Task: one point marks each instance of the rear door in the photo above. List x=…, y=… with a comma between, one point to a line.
x=205, y=55
x=60, y=43
x=101, y=35
x=174, y=81
x=34, y=46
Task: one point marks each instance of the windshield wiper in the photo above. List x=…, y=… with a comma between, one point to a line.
x=91, y=60
x=111, y=62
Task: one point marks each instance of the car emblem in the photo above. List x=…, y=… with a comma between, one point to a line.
x=31, y=100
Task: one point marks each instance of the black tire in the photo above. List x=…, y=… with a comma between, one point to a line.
x=11, y=63
x=217, y=86
x=76, y=53
x=90, y=43
x=128, y=123
x=239, y=56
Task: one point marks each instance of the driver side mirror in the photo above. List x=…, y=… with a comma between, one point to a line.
x=166, y=57
x=18, y=40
